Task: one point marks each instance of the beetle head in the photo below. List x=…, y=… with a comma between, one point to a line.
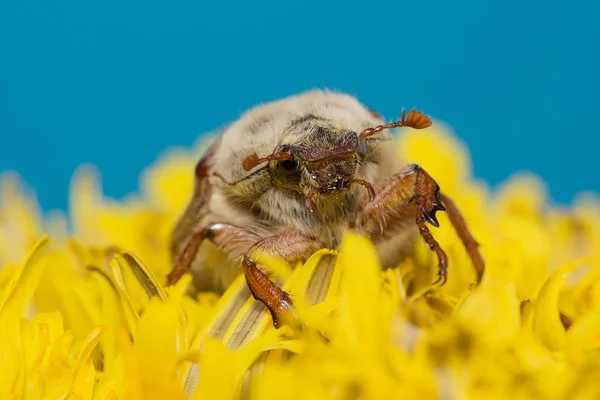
x=324, y=160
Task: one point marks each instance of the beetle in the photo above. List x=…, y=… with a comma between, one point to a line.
x=293, y=176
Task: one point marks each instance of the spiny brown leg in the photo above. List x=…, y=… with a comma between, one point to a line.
x=430, y=240
x=427, y=201
x=230, y=238
x=465, y=235
x=264, y=290
x=290, y=245
x=197, y=208
x=186, y=258
x=412, y=187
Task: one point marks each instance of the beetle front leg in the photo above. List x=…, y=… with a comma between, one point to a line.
x=465, y=235
x=291, y=245
x=264, y=290
x=238, y=242
x=409, y=194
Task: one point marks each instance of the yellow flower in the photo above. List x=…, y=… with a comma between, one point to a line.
x=85, y=316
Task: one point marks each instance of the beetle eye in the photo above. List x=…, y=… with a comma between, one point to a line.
x=288, y=172
x=289, y=165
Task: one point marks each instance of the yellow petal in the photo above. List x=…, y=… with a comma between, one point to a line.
x=360, y=313
x=218, y=323
x=156, y=349
x=585, y=332
x=145, y=275
x=26, y=271
x=35, y=350
x=59, y=372
x=492, y=311
x=84, y=382
x=131, y=313
x=169, y=182
x=12, y=361
x=438, y=152
x=84, y=373
x=20, y=219
x=222, y=370
x=546, y=320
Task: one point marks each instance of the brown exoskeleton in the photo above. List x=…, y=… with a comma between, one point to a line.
x=291, y=177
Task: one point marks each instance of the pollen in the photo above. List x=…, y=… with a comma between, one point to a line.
x=84, y=313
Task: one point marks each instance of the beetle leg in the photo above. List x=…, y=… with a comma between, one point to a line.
x=290, y=245
x=412, y=193
x=465, y=235
x=228, y=237
x=264, y=290
x=197, y=207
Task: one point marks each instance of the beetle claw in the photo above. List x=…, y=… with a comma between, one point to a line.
x=432, y=219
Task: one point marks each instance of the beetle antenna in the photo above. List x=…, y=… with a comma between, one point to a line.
x=414, y=119
x=253, y=160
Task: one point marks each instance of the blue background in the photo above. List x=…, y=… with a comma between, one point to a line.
x=114, y=83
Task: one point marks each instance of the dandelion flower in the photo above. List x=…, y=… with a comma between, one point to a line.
x=84, y=314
